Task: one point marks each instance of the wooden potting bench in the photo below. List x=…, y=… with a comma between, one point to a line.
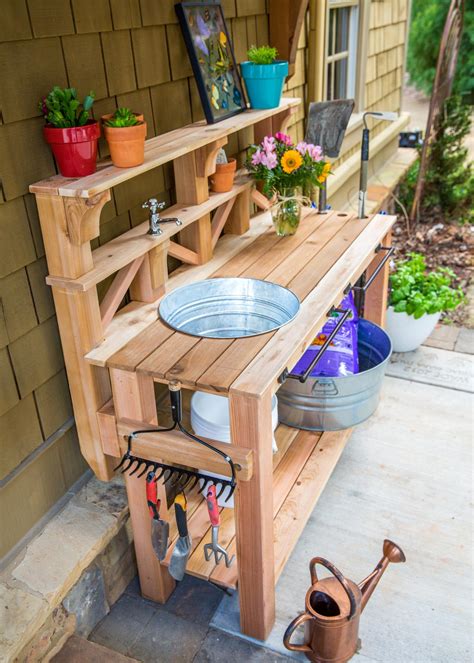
x=115, y=356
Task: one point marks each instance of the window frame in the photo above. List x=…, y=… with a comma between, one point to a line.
x=350, y=54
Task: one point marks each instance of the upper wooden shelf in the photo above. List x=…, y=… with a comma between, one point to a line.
x=158, y=150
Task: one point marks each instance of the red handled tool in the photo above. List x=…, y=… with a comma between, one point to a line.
x=214, y=548
x=159, y=528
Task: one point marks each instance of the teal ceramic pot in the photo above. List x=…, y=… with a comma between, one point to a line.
x=264, y=82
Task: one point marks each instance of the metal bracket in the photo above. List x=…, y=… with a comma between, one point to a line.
x=155, y=219
x=366, y=286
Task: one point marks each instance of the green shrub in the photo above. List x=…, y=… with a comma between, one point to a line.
x=62, y=108
x=123, y=117
x=415, y=292
x=262, y=54
x=427, y=23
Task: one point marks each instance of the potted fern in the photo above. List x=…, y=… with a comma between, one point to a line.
x=264, y=76
x=125, y=133
x=417, y=299
x=70, y=131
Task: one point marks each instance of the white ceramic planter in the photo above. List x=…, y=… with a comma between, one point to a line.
x=407, y=333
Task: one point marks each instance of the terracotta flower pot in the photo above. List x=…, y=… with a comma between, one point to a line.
x=127, y=144
x=74, y=148
x=223, y=179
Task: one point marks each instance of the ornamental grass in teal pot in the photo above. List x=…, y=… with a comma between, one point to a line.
x=264, y=76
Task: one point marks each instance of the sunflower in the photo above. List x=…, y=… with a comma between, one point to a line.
x=291, y=161
x=326, y=170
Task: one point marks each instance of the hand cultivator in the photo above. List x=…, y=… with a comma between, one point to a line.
x=177, y=477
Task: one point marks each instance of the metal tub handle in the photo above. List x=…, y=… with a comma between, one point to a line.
x=302, y=377
x=325, y=387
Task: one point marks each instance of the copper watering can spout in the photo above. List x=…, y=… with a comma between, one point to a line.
x=391, y=553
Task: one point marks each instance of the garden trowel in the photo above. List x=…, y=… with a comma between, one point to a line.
x=179, y=557
x=159, y=528
x=327, y=124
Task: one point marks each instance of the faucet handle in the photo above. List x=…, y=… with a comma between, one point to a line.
x=153, y=205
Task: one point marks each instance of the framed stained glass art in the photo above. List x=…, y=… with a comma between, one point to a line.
x=212, y=59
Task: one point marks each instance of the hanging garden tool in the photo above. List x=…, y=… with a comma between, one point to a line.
x=159, y=528
x=180, y=478
x=214, y=548
x=180, y=554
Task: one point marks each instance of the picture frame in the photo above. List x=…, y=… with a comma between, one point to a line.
x=212, y=59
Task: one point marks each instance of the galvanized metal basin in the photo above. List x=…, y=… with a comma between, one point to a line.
x=229, y=308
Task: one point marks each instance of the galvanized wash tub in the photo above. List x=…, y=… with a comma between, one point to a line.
x=229, y=308
x=324, y=403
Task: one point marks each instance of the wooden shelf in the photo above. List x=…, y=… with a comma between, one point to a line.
x=302, y=468
x=158, y=151
x=119, y=252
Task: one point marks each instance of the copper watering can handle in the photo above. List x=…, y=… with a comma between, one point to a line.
x=338, y=575
x=291, y=628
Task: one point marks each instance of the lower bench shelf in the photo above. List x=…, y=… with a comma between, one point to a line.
x=302, y=467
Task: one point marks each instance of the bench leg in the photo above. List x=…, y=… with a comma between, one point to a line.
x=251, y=427
x=134, y=398
x=376, y=298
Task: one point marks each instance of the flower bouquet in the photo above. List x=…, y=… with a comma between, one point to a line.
x=284, y=169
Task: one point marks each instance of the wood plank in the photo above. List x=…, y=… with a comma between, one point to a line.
x=280, y=352
x=117, y=253
x=128, y=357
x=108, y=429
x=158, y=150
x=134, y=396
x=198, y=525
x=151, y=278
x=183, y=253
x=251, y=428
x=286, y=471
x=161, y=360
x=175, y=448
x=135, y=317
x=301, y=500
x=239, y=218
x=219, y=220
x=376, y=297
x=117, y=290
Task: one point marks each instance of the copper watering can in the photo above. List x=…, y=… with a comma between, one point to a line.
x=333, y=609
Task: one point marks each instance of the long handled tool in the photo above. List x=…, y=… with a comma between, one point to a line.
x=180, y=554
x=214, y=548
x=327, y=123
x=159, y=527
x=364, y=155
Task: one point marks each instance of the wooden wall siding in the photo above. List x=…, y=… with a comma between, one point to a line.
x=131, y=53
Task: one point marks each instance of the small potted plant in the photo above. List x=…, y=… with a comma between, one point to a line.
x=264, y=76
x=223, y=179
x=283, y=169
x=125, y=133
x=72, y=134
x=417, y=299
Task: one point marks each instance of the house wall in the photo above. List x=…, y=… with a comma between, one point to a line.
x=130, y=52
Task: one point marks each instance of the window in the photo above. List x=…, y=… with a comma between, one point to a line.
x=341, y=58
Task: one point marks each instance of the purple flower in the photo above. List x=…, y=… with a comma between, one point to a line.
x=268, y=144
x=283, y=138
x=302, y=147
x=315, y=152
x=257, y=158
x=269, y=159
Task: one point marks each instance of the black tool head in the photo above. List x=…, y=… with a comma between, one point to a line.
x=327, y=124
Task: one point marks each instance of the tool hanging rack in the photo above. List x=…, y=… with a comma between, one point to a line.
x=180, y=477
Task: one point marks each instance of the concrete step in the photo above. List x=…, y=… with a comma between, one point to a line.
x=78, y=650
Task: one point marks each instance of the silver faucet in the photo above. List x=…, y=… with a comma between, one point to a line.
x=155, y=219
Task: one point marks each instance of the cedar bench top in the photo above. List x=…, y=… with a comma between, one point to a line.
x=317, y=263
x=158, y=151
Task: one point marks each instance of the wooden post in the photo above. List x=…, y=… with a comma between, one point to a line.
x=67, y=227
x=151, y=278
x=238, y=221
x=134, y=398
x=251, y=427
x=376, y=298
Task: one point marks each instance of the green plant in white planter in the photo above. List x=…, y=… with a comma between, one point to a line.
x=264, y=76
x=417, y=299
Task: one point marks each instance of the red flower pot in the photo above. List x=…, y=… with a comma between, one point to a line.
x=74, y=148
